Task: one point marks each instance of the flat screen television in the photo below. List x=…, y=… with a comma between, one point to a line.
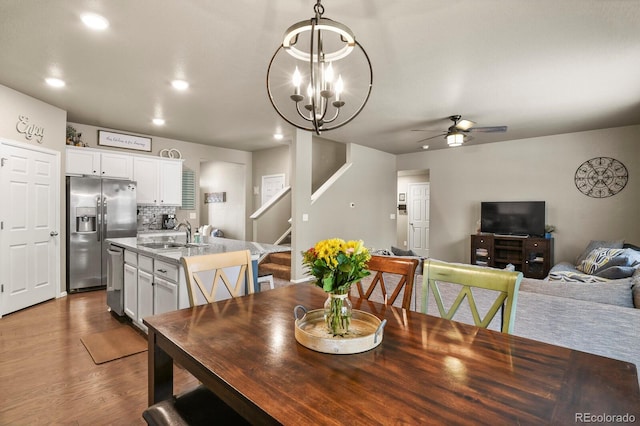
x=513, y=217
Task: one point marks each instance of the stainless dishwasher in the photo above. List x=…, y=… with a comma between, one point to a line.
x=115, y=279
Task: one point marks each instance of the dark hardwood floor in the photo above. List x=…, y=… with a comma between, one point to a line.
x=48, y=377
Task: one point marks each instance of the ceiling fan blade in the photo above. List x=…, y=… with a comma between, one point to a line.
x=489, y=129
x=432, y=137
x=426, y=130
x=465, y=124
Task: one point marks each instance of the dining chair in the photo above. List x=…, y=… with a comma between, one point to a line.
x=464, y=278
x=385, y=271
x=210, y=277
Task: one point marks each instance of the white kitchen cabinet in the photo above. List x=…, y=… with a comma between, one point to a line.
x=116, y=165
x=131, y=291
x=82, y=161
x=95, y=162
x=145, y=289
x=170, y=182
x=165, y=296
x=145, y=297
x=159, y=181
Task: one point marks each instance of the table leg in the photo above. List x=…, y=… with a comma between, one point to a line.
x=160, y=366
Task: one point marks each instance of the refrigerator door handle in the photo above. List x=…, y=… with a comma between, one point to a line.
x=99, y=225
x=104, y=216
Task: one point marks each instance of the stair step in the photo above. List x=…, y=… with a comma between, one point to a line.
x=283, y=258
x=277, y=270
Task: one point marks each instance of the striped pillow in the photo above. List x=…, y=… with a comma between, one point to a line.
x=597, y=258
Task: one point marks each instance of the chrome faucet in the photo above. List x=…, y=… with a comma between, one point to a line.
x=187, y=225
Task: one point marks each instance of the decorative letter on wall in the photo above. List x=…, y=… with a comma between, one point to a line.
x=29, y=130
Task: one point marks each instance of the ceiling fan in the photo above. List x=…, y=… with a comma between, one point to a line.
x=456, y=133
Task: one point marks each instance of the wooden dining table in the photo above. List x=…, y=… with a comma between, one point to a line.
x=427, y=370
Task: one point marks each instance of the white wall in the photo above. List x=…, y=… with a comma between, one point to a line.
x=53, y=121
x=530, y=169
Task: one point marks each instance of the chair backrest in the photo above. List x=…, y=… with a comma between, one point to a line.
x=503, y=283
x=403, y=269
x=208, y=279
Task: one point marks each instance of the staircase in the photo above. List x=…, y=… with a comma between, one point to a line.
x=276, y=264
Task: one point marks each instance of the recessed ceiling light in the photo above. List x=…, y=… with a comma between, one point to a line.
x=95, y=22
x=425, y=146
x=158, y=121
x=278, y=136
x=180, y=84
x=55, y=82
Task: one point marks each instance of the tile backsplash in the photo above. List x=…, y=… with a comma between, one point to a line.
x=150, y=217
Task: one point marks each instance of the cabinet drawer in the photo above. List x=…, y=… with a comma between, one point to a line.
x=166, y=270
x=535, y=245
x=131, y=257
x=145, y=263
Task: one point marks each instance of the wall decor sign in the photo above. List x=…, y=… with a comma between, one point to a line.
x=29, y=130
x=601, y=177
x=215, y=197
x=121, y=140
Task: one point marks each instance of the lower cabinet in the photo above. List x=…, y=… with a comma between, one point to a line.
x=150, y=288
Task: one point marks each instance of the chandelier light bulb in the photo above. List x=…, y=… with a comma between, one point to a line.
x=328, y=74
x=297, y=78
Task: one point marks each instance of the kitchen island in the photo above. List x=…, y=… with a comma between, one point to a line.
x=153, y=278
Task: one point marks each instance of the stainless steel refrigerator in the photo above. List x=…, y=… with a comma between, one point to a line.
x=97, y=209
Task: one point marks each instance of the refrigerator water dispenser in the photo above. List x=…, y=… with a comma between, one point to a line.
x=85, y=219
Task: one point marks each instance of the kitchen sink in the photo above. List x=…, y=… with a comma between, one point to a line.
x=162, y=245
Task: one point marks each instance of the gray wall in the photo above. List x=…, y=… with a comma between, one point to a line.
x=328, y=157
x=404, y=179
x=530, y=169
x=219, y=176
x=370, y=184
x=54, y=121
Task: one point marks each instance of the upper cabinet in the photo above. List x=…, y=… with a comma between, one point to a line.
x=93, y=162
x=159, y=181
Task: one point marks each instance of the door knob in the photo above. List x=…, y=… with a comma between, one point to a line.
x=53, y=233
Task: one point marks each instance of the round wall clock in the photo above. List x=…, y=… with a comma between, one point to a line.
x=601, y=177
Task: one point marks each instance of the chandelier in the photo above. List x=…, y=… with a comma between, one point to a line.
x=324, y=80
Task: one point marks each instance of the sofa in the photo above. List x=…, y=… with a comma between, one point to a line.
x=602, y=318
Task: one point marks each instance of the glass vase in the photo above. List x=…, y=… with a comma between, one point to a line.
x=337, y=313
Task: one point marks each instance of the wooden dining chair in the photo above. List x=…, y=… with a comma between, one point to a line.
x=504, y=284
x=385, y=270
x=208, y=276
x=208, y=280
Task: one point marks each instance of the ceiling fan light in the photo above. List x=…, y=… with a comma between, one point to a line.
x=455, y=139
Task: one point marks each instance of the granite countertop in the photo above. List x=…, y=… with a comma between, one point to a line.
x=209, y=245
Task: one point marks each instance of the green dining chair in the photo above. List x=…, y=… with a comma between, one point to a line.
x=503, y=283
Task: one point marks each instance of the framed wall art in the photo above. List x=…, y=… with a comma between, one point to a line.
x=122, y=140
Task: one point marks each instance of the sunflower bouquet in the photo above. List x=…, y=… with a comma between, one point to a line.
x=337, y=264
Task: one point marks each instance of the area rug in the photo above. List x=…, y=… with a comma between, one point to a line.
x=114, y=344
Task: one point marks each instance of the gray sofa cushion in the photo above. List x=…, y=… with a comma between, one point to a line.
x=615, y=292
x=607, y=330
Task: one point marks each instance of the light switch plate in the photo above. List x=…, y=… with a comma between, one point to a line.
x=192, y=215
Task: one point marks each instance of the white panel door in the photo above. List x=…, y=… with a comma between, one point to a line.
x=29, y=245
x=418, y=212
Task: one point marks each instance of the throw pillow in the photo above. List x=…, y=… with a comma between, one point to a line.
x=594, y=244
x=401, y=252
x=597, y=259
x=616, y=272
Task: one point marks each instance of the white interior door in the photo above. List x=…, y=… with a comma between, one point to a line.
x=29, y=212
x=418, y=213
